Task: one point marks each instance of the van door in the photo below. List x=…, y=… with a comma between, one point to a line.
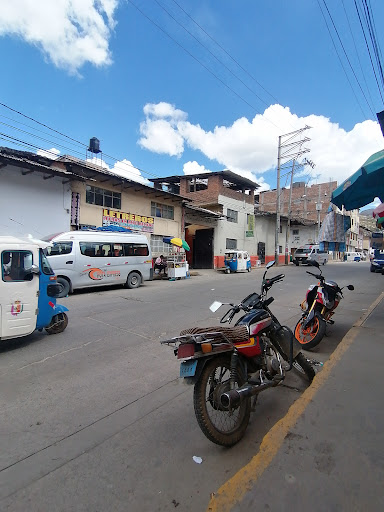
x=93, y=258
x=18, y=297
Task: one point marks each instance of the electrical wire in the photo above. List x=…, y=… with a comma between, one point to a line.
x=346, y=55
x=357, y=54
x=201, y=63
x=227, y=53
x=211, y=53
x=74, y=140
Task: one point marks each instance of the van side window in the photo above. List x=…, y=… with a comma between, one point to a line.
x=59, y=248
x=15, y=265
x=95, y=249
x=133, y=249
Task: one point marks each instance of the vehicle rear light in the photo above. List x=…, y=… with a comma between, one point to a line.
x=185, y=350
x=206, y=347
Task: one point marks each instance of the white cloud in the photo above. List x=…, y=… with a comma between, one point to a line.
x=194, y=168
x=164, y=110
x=68, y=32
x=250, y=147
x=52, y=153
x=160, y=136
x=122, y=168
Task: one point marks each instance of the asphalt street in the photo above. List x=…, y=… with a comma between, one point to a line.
x=97, y=419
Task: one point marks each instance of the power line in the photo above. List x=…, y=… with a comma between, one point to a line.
x=225, y=51
x=346, y=55
x=357, y=53
x=213, y=55
x=367, y=45
x=201, y=63
x=72, y=139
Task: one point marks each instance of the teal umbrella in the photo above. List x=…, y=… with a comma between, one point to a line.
x=363, y=186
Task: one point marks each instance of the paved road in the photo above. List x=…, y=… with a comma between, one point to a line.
x=96, y=418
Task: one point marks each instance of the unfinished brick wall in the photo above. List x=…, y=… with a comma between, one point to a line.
x=211, y=194
x=304, y=200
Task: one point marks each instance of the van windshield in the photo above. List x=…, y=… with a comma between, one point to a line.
x=301, y=251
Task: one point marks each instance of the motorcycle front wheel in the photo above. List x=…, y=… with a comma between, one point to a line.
x=311, y=335
x=219, y=424
x=303, y=367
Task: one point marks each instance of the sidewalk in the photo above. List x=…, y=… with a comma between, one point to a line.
x=327, y=453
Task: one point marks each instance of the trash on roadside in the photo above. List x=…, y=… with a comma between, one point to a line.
x=315, y=363
x=198, y=460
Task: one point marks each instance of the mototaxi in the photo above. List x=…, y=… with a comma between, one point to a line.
x=28, y=290
x=237, y=261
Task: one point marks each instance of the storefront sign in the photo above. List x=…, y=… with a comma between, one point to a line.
x=128, y=220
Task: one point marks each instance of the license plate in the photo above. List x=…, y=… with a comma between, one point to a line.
x=188, y=368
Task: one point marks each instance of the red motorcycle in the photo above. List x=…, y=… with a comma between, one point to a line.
x=318, y=307
x=230, y=365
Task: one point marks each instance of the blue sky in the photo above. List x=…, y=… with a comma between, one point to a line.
x=172, y=87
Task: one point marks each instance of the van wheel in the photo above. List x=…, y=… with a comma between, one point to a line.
x=65, y=287
x=296, y=263
x=133, y=280
x=324, y=262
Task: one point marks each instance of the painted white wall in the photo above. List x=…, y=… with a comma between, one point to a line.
x=234, y=230
x=31, y=205
x=305, y=235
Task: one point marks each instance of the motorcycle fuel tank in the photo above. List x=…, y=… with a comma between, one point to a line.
x=257, y=321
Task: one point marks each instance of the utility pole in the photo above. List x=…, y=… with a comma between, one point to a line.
x=288, y=151
x=277, y=232
x=318, y=208
x=287, y=233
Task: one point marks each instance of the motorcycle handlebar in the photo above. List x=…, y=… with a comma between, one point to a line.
x=272, y=280
x=318, y=276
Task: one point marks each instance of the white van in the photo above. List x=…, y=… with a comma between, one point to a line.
x=352, y=256
x=94, y=258
x=308, y=253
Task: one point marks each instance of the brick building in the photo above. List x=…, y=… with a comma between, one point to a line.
x=231, y=198
x=306, y=201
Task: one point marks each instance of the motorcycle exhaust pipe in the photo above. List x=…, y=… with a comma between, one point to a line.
x=232, y=398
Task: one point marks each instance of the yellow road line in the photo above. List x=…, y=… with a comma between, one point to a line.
x=235, y=489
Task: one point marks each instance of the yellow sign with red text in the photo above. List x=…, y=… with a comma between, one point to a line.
x=129, y=221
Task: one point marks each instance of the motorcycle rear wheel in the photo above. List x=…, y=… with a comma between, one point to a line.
x=310, y=336
x=303, y=367
x=219, y=425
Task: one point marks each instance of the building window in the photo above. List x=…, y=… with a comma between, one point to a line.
x=162, y=210
x=158, y=247
x=295, y=231
x=281, y=228
x=102, y=197
x=280, y=249
x=231, y=243
x=231, y=215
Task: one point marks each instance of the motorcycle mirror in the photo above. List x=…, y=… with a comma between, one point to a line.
x=215, y=306
x=350, y=287
x=270, y=264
